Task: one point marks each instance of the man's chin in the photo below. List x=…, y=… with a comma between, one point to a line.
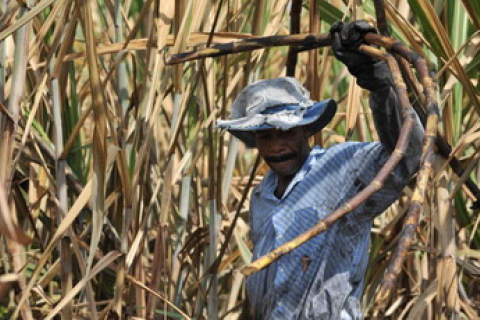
x=284, y=169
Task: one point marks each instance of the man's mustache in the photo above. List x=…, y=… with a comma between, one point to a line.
x=280, y=158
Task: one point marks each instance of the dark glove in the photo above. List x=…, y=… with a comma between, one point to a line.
x=371, y=74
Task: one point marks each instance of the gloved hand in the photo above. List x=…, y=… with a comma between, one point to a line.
x=371, y=74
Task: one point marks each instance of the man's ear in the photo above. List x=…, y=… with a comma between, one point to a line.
x=307, y=130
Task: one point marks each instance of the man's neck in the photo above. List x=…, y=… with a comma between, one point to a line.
x=282, y=186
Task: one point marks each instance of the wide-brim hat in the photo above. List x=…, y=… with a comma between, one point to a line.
x=280, y=103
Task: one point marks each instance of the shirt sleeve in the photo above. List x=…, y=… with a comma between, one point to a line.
x=387, y=115
x=366, y=164
x=388, y=122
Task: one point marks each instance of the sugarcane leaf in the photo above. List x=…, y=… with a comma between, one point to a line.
x=428, y=28
x=329, y=13
x=103, y=263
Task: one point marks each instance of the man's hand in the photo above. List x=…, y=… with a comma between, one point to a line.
x=371, y=74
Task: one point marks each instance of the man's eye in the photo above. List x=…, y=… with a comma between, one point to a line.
x=287, y=133
x=263, y=135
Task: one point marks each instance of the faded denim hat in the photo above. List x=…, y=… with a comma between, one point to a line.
x=280, y=103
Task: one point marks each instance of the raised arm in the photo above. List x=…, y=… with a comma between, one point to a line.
x=374, y=76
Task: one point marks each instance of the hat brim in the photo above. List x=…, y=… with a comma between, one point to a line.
x=317, y=116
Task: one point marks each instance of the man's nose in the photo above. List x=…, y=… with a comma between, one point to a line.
x=276, y=144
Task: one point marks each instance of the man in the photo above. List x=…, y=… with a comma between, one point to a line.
x=323, y=278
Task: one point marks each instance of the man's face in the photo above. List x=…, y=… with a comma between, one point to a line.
x=283, y=151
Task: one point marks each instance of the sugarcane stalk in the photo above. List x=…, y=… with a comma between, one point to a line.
x=292, y=55
x=312, y=69
x=412, y=218
x=444, y=149
x=66, y=273
x=100, y=129
x=411, y=221
x=381, y=17
x=122, y=90
x=300, y=40
x=8, y=282
x=8, y=127
x=3, y=73
x=426, y=170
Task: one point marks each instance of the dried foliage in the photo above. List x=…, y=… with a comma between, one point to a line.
x=119, y=199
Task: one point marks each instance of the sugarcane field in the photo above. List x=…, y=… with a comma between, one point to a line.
x=239, y=159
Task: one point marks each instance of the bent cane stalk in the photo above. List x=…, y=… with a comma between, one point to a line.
x=408, y=231
x=431, y=136
x=300, y=40
x=444, y=149
x=406, y=238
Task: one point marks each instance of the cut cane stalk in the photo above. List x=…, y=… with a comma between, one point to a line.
x=411, y=221
x=444, y=149
x=389, y=280
x=300, y=40
x=394, y=269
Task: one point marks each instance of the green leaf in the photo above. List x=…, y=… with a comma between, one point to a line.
x=473, y=65
x=427, y=29
x=329, y=13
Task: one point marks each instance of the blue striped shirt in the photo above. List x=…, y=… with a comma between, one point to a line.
x=323, y=278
